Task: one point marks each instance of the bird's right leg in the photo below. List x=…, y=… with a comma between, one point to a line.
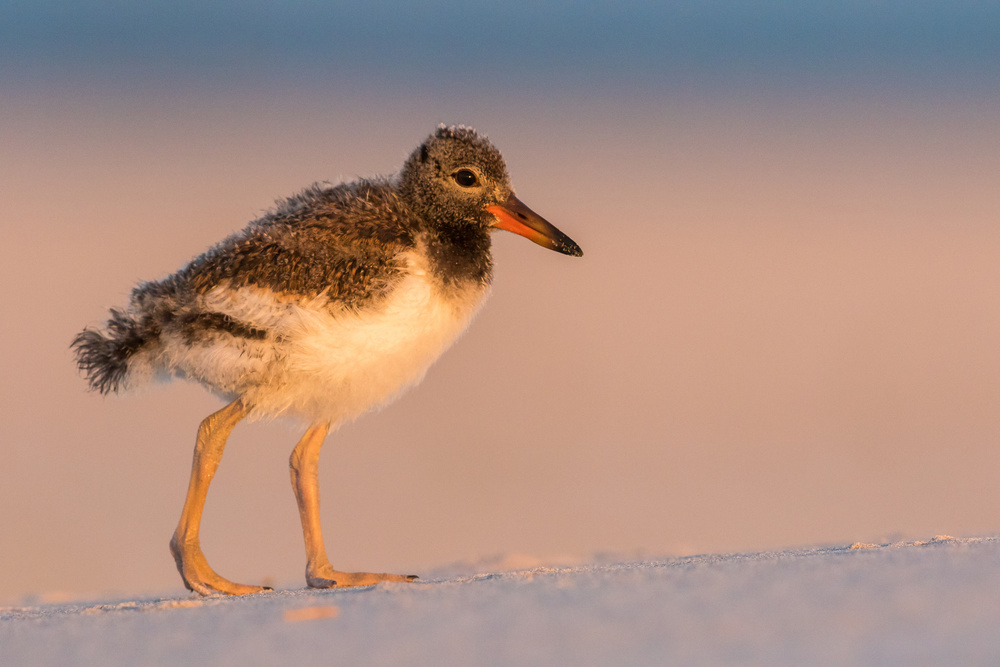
x=198, y=576
x=304, y=467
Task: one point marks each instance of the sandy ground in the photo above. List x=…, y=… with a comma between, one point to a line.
x=924, y=603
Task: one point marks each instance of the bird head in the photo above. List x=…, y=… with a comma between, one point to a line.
x=457, y=177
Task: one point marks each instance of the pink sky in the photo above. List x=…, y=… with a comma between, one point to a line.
x=784, y=331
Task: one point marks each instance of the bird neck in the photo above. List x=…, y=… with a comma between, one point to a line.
x=460, y=254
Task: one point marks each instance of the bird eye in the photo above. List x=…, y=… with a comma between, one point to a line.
x=465, y=177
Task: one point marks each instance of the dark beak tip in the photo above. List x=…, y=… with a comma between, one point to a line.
x=570, y=247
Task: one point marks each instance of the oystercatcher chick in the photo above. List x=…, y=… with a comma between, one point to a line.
x=326, y=307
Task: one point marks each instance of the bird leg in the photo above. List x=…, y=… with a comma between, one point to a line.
x=304, y=467
x=198, y=576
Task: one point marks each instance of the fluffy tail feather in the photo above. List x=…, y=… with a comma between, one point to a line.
x=103, y=356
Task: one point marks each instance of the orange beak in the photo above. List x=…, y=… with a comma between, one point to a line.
x=514, y=216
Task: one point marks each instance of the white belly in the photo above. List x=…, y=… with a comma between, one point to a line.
x=331, y=364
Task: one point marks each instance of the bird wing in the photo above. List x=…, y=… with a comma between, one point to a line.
x=338, y=241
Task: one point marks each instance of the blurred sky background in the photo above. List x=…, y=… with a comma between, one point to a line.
x=785, y=329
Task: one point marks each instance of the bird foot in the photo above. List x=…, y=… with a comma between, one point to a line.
x=199, y=577
x=327, y=577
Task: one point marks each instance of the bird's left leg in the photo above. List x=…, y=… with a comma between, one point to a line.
x=304, y=467
x=185, y=545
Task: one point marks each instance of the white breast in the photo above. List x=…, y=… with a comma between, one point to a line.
x=334, y=364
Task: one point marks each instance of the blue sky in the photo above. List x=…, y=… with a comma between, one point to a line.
x=449, y=45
